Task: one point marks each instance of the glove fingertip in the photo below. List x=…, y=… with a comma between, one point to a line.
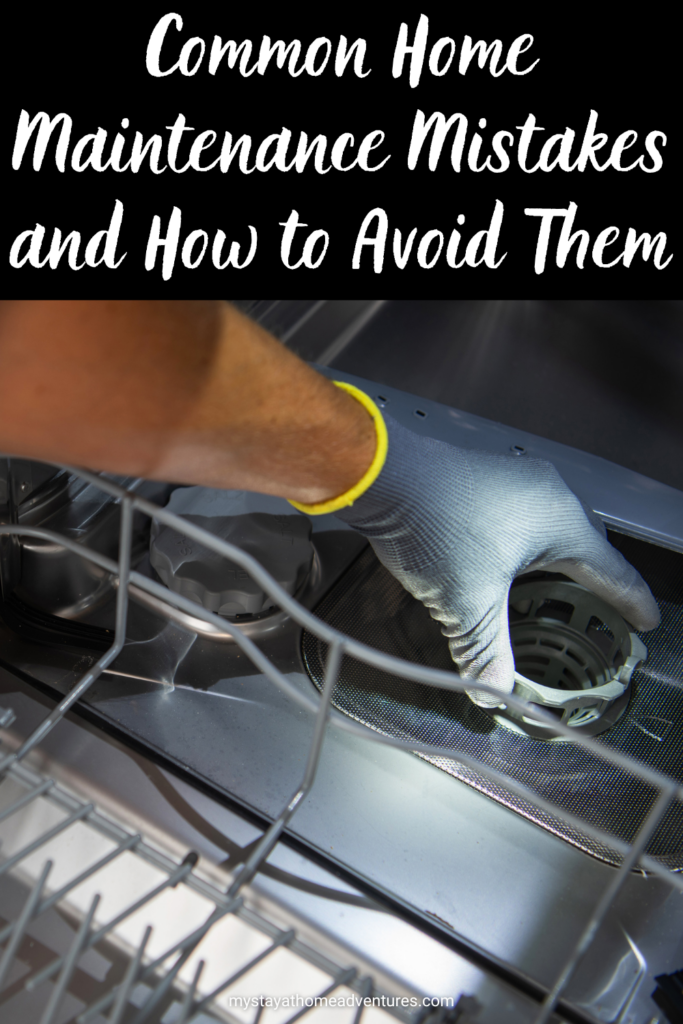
x=647, y=615
x=499, y=674
x=484, y=700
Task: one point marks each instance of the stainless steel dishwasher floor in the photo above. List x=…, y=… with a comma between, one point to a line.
x=112, y=823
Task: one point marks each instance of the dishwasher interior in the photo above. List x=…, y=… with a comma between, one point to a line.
x=480, y=876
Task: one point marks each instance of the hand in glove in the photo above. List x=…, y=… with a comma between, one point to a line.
x=456, y=526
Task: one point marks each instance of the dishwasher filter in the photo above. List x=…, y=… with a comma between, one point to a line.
x=371, y=606
x=574, y=657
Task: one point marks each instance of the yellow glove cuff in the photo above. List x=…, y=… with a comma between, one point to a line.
x=370, y=475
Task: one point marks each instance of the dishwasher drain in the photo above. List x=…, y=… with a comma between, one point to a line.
x=574, y=657
x=604, y=681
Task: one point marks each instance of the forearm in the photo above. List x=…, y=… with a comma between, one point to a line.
x=186, y=391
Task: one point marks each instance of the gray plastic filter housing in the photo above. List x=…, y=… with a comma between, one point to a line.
x=574, y=657
x=267, y=528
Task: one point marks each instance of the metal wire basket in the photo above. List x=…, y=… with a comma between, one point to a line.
x=664, y=789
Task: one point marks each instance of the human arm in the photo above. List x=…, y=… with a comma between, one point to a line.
x=192, y=392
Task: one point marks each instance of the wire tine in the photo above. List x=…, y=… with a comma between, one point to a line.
x=189, y=996
x=125, y=544
x=72, y=958
x=82, y=812
x=192, y=940
x=93, y=869
x=53, y=967
x=282, y=940
x=334, y=659
x=272, y=834
x=61, y=709
x=366, y=985
x=186, y=949
x=22, y=921
x=129, y=979
x=125, y=540
x=259, y=1012
x=645, y=832
x=343, y=979
x=26, y=799
x=161, y=990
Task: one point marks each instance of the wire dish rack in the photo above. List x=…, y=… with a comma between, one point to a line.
x=191, y=967
x=153, y=979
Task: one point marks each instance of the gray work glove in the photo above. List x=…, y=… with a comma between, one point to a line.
x=456, y=526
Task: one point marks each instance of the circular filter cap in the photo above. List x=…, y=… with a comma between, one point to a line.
x=264, y=527
x=574, y=657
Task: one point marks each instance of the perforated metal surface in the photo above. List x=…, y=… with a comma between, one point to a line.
x=371, y=606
